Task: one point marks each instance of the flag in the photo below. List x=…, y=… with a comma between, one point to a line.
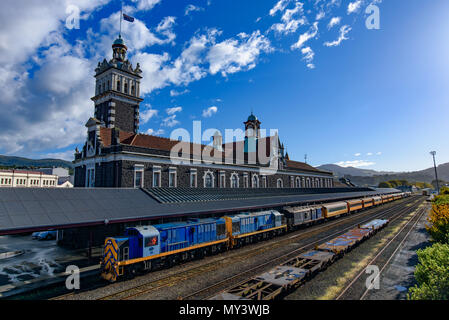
x=128, y=18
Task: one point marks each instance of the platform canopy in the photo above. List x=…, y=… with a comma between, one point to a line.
x=35, y=209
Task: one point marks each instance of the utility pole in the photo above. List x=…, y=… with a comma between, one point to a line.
x=433, y=153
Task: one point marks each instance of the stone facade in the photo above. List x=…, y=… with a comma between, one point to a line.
x=115, y=155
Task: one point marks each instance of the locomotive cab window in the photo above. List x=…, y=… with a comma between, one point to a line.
x=151, y=241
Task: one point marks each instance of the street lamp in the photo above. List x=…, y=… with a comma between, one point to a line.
x=433, y=153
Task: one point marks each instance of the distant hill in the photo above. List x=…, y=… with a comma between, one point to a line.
x=343, y=171
x=8, y=161
x=363, y=177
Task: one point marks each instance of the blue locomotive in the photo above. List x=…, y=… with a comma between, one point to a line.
x=149, y=247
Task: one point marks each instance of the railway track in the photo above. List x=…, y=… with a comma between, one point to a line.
x=210, y=291
x=172, y=280
x=357, y=289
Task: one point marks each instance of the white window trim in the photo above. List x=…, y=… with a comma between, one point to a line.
x=156, y=169
x=139, y=168
x=252, y=181
x=234, y=174
x=204, y=178
x=245, y=180
x=222, y=175
x=264, y=182
x=171, y=171
x=195, y=183
x=277, y=183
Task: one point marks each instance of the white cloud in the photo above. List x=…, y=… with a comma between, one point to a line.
x=303, y=38
x=207, y=113
x=145, y=5
x=334, y=21
x=175, y=93
x=279, y=6
x=291, y=19
x=320, y=15
x=357, y=154
x=192, y=8
x=147, y=114
x=231, y=56
x=173, y=110
x=155, y=133
x=343, y=32
x=379, y=153
x=354, y=6
x=369, y=154
x=68, y=155
x=355, y=163
x=170, y=121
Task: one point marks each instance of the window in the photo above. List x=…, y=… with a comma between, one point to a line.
x=156, y=176
x=126, y=87
x=298, y=183
x=138, y=179
x=292, y=182
x=133, y=90
x=255, y=182
x=208, y=180
x=264, y=182
x=245, y=180
x=222, y=179
x=118, y=86
x=280, y=184
x=234, y=180
x=151, y=241
x=193, y=183
x=172, y=178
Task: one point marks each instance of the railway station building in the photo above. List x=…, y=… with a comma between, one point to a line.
x=116, y=155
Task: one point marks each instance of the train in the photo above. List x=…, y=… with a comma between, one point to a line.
x=296, y=271
x=151, y=247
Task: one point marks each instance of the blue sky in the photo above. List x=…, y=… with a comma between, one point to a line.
x=376, y=99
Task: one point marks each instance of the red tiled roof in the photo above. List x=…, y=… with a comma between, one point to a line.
x=301, y=166
x=166, y=144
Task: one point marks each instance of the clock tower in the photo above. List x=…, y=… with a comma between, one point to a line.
x=117, y=91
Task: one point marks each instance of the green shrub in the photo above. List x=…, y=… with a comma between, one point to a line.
x=432, y=274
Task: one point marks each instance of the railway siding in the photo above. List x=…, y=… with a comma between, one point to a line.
x=330, y=284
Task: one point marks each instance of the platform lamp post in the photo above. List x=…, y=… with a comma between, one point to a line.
x=433, y=153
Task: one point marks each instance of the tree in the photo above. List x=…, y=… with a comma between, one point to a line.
x=438, y=219
x=432, y=274
x=385, y=185
x=444, y=191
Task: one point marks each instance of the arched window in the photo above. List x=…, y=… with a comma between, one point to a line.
x=234, y=181
x=208, y=180
x=255, y=181
x=118, y=85
x=298, y=183
x=109, y=85
x=126, y=87
x=280, y=184
x=133, y=90
x=308, y=183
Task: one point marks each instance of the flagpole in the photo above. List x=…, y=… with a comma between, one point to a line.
x=121, y=16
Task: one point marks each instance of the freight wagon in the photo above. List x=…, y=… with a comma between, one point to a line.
x=152, y=247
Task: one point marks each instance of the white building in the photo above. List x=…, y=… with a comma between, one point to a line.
x=27, y=179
